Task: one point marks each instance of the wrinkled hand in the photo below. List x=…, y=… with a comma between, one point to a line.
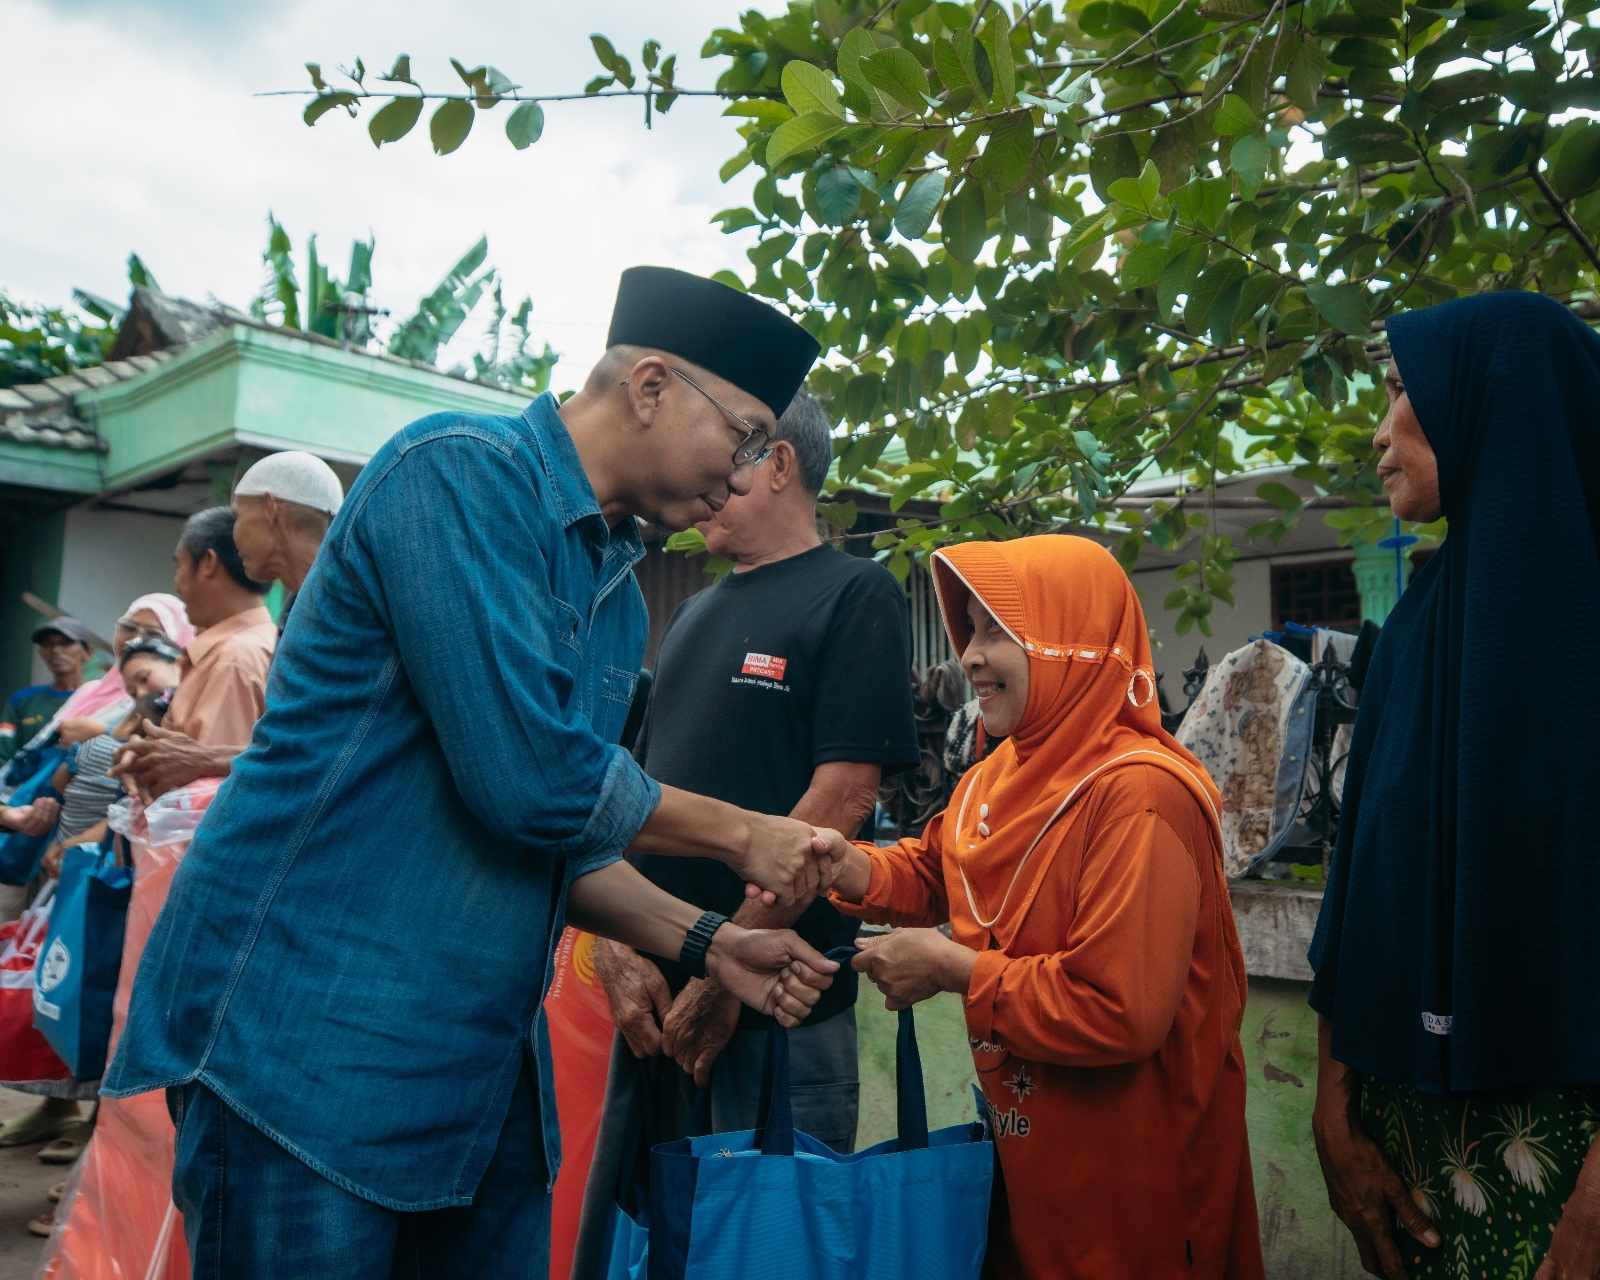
x=908, y=965
x=1366, y=1194
x=34, y=819
x=697, y=1029
x=1575, y=1247
x=157, y=761
x=638, y=995
x=50, y=864
x=79, y=729
x=774, y=971
x=783, y=865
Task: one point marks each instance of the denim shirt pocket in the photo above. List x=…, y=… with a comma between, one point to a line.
x=616, y=684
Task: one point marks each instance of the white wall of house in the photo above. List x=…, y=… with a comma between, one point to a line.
x=108, y=558
x=1230, y=628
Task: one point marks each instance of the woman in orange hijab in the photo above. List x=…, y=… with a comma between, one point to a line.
x=1080, y=869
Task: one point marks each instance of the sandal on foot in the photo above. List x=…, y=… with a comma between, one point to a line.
x=57, y=1193
x=43, y=1225
x=36, y=1126
x=69, y=1146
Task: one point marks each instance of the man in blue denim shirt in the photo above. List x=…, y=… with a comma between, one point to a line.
x=342, y=996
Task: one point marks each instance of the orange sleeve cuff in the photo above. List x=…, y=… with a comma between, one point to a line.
x=983, y=994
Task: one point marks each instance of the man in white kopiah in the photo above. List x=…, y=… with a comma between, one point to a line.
x=282, y=507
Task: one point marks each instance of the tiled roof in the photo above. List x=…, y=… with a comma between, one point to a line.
x=41, y=413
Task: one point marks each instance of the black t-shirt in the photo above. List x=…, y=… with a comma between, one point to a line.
x=760, y=679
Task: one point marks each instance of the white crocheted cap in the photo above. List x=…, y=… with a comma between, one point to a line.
x=293, y=476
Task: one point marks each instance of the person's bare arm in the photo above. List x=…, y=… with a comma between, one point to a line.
x=704, y=1017
x=617, y=902
x=775, y=854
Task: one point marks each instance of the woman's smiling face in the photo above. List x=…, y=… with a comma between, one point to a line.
x=997, y=666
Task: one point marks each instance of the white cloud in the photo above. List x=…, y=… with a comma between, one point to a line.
x=133, y=127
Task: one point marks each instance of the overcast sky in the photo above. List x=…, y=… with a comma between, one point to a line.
x=131, y=125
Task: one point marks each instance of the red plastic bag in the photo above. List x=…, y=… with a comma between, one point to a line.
x=25, y=1055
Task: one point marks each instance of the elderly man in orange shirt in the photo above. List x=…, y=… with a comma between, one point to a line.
x=223, y=690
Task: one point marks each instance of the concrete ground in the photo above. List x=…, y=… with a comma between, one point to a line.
x=23, y=1183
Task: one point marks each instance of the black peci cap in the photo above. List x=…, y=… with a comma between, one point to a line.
x=737, y=337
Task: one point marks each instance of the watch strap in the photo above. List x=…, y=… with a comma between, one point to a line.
x=698, y=941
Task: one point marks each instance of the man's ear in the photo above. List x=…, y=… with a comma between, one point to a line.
x=646, y=386
x=783, y=467
x=208, y=565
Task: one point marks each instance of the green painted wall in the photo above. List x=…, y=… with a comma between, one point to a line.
x=32, y=537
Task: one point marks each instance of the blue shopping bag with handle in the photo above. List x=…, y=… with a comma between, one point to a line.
x=774, y=1204
x=75, y=979
x=21, y=855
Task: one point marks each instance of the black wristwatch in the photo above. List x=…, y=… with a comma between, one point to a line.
x=698, y=942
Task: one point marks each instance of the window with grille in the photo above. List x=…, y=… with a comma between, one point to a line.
x=1323, y=594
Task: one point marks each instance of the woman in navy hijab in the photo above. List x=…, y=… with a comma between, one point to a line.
x=1457, y=956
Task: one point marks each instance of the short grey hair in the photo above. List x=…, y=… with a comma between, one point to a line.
x=806, y=427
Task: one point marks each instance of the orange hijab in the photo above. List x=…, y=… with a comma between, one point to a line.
x=1091, y=708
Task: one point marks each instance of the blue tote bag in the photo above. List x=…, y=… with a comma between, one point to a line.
x=21, y=855
x=75, y=979
x=774, y=1204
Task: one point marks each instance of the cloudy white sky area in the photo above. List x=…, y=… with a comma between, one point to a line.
x=131, y=125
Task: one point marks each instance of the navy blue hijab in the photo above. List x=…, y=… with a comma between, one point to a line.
x=1459, y=943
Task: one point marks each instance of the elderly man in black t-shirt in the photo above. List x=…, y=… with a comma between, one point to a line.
x=784, y=689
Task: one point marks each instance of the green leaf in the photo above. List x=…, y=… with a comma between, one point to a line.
x=997, y=42
x=326, y=102
x=914, y=214
x=1142, y=265
x=838, y=194
x=1307, y=71
x=401, y=71
x=839, y=515
x=763, y=109
x=1009, y=154
x=1344, y=306
x=947, y=62
x=450, y=125
x=964, y=224
x=651, y=54
x=807, y=88
x=1109, y=159
x=857, y=45
x=525, y=125
x=314, y=70
x=803, y=133
x=898, y=73
x=734, y=164
x=689, y=541
x=606, y=52
x=1234, y=117
x=861, y=397
x=1248, y=160
x=1575, y=162
x=1279, y=495
x=394, y=119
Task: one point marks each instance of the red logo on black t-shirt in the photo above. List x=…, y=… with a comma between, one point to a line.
x=764, y=665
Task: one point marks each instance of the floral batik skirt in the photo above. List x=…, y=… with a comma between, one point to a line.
x=1492, y=1170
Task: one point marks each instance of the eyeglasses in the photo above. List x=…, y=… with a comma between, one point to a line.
x=140, y=628
x=755, y=448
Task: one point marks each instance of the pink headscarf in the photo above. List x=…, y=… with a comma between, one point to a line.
x=97, y=695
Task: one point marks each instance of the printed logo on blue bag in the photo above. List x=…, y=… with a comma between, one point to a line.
x=53, y=968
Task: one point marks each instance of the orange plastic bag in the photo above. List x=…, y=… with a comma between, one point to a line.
x=580, y=1045
x=117, y=1220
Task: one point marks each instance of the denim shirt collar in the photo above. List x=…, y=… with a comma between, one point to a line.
x=569, y=484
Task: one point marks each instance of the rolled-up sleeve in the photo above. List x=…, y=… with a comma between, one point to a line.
x=455, y=538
